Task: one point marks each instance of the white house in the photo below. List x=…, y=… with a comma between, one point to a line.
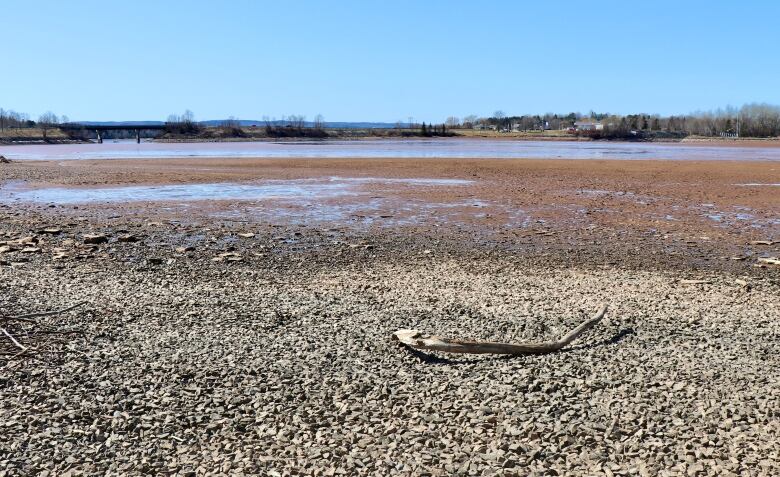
x=588, y=125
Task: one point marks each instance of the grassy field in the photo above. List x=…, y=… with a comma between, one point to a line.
x=554, y=134
x=31, y=134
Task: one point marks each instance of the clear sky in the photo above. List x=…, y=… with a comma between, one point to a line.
x=384, y=61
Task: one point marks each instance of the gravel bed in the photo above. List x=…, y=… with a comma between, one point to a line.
x=283, y=364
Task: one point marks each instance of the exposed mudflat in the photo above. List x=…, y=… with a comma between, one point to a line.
x=249, y=336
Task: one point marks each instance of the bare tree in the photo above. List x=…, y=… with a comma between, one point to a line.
x=184, y=124
x=452, y=122
x=46, y=121
x=231, y=122
x=500, y=117
x=469, y=121
x=319, y=121
x=12, y=119
x=296, y=120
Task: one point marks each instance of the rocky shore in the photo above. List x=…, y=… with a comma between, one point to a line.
x=267, y=351
x=209, y=345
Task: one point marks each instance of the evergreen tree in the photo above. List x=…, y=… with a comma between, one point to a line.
x=423, y=130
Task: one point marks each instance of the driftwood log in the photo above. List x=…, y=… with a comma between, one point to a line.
x=417, y=340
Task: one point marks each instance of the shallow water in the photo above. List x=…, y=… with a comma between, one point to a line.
x=272, y=189
x=406, y=148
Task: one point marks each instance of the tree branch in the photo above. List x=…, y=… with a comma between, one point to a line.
x=45, y=313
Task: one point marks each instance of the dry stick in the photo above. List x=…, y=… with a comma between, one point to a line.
x=45, y=313
x=9, y=335
x=16, y=318
x=417, y=340
x=27, y=318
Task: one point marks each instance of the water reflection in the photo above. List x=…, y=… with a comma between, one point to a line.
x=272, y=189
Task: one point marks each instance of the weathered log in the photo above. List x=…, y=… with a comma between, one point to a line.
x=418, y=340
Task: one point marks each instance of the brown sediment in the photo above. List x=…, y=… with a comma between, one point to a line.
x=645, y=209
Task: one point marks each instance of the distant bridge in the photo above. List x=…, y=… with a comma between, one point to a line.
x=100, y=128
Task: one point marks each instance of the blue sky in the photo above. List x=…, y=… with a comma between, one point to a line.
x=384, y=61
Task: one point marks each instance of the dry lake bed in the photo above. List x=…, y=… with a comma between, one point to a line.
x=238, y=312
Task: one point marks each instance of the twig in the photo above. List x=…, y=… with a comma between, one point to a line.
x=11, y=337
x=44, y=337
x=45, y=313
x=16, y=318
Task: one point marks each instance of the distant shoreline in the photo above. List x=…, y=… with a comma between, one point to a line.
x=57, y=137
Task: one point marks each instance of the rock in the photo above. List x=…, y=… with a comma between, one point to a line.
x=95, y=239
x=228, y=256
x=246, y=235
x=128, y=238
x=50, y=231
x=24, y=241
x=4, y=160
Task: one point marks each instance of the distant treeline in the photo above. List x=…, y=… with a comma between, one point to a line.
x=10, y=119
x=751, y=120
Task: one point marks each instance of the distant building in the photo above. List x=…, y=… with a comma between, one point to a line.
x=588, y=125
x=537, y=126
